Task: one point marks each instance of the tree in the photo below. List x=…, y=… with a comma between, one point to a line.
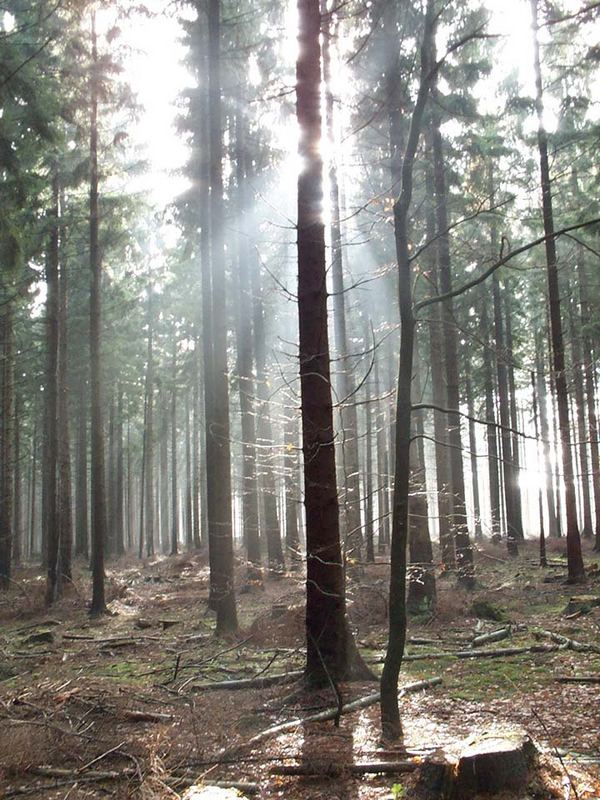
x=575, y=560
x=330, y=650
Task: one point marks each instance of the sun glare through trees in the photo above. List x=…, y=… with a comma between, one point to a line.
x=299, y=367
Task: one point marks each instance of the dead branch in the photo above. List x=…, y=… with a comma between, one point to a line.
x=335, y=770
x=249, y=683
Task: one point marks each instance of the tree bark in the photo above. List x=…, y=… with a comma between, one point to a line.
x=330, y=647
x=574, y=557
x=98, y=495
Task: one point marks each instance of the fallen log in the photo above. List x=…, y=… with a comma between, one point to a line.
x=570, y=644
x=578, y=679
x=497, y=653
x=333, y=713
x=261, y=682
x=494, y=636
x=336, y=769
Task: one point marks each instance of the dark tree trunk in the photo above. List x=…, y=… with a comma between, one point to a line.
x=119, y=521
x=368, y=475
x=6, y=442
x=98, y=494
x=587, y=528
x=331, y=653
x=81, y=483
x=574, y=557
x=189, y=527
x=390, y=712
x=17, y=532
x=545, y=434
x=535, y=398
x=512, y=532
x=149, y=434
x=383, y=469
x=33, y=499
x=165, y=534
x=588, y=368
x=65, y=512
x=196, y=517
x=174, y=463
x=51, y=517
x=491, y=430
x=473, y=450
x=222, y=595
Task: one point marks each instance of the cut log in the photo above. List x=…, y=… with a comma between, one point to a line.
x=490, y=765
x=261, y=682
x=333, y=713
x=570, y=644
x=494, y=636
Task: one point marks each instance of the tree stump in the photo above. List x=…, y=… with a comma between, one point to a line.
x=581, y=603
x=489, y=765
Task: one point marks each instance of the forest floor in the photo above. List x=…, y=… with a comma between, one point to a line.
x=124, y=706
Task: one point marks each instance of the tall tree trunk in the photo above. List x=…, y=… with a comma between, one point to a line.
x=491, y=429
x=587, y=528
x=65, y=512
x=464, y=552
x=51, y=515
x=81, y=483
x=545, y=434
x=265, y=435
x=17, y=532
x=535, y=398
x=588, y=368
x=514, y=422
x=390, y=712
x=574, y=557
x=351, y=518
x=244, y=337
x=189, y=524
x=6, y=441
x=473, y=450
x=219, y=478
x=330, y=649
x=368, y=475
x=98, y=495
x=512, y=532
x=421, y=575
x=292, y=491
x=33, y=503
x=174, y=462
x=149, y=434
x=439, y=396
x=383, y=469
x=165, y=533
x=119, y=479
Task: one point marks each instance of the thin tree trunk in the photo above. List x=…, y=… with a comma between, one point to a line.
x=351, y=519
x=438, y=386
x=491, y=430
x=534, y=392
x=464, y=552
x=51, y=510
x=574, y=557
x=81, y=483
x=65, y=512
x=149, y=433
x=514, y=422
x=6, y=442
x=473, y=451
x=98, y=605
x=17, y=532
x=189, y=526
x=119, y=479
x=174, y=463
x=545, y=434
x=390, y=712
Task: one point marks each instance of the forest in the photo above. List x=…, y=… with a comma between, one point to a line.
x=299, y=368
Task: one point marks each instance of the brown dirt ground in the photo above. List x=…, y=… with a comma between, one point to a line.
x=67, y=701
